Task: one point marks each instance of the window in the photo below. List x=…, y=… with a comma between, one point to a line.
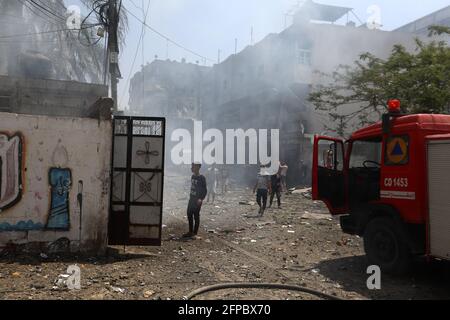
x=365, y=153
x=331, y=155
x=304, y=57
x=397, y=150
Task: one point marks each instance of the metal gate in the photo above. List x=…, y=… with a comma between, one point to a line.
x=137, y=181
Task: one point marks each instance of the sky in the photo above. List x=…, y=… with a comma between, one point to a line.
x=207, y=26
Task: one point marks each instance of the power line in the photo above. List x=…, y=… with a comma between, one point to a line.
x=167, y=38
x=46, y=9
x=32, y=9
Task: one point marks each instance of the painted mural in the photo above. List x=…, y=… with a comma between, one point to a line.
x=60, y=181
x=10, y=170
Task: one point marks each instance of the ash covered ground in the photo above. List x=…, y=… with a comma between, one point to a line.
x=299, y=244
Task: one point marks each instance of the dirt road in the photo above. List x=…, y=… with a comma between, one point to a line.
x=298, y=244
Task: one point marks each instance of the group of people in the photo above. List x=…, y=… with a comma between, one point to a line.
x=266, y=185
x=273, y=185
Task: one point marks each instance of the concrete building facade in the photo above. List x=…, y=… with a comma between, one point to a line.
x=266, y=86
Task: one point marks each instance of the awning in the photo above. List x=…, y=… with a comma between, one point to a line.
x=321, y=12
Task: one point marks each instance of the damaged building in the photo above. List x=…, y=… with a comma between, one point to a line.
x=34, y=45
x=266, y=86
x=55, y=134
x=173, y=90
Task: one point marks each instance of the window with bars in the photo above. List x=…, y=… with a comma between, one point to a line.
x=304, y=57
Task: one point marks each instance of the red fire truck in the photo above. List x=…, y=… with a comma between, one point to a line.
x=390, y=184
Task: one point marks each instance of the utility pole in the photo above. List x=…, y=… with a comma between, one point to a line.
x=113, y=48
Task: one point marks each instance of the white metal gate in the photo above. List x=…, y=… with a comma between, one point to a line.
x=137, y=181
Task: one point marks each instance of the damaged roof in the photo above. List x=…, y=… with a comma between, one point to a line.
x=322, y=12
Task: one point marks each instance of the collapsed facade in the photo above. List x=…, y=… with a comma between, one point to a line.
x=266, y=86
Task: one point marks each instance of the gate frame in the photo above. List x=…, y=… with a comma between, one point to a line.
x=128, y=171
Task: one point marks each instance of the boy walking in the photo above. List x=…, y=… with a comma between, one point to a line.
x=262, y=189
x=198, y=194
x=212, y=181
x=275, y=181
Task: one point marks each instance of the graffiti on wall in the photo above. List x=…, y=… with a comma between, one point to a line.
x=61, y=182
x=10, y=170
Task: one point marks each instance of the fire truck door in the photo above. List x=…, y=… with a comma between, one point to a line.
x=328, y=173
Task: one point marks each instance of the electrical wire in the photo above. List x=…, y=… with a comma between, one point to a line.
x=167, y=38
x=46, y=9
x=36, y=13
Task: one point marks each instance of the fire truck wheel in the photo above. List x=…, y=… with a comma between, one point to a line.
x=384, y=246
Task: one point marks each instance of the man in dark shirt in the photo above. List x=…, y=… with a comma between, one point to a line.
x=275, y=181
x=198, y=194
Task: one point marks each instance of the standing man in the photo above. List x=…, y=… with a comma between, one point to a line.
x=262, y=189
x=212, y=181
x=224, y=179
x=275, y=181
x=198, y=194
x=283, y=173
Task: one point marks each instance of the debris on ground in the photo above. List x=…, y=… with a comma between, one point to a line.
x=247, y=203
x=117, y=289
x=148, y=293
x=176, y=268
x=305, y=192
x=316, y=216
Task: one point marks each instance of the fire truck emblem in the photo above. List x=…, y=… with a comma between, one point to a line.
x=397, y=150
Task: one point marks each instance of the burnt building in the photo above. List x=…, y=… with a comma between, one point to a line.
x=171, y=89
x=35, y=46
x=266, y=86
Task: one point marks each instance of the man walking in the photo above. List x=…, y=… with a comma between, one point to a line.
x=275, y=181
x=198, y=194
x=262, y=189
x=283, y=173
x=224, y=179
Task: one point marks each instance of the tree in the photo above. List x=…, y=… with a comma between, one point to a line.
x=420, y=79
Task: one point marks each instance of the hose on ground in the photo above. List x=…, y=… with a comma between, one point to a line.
x=276, y=286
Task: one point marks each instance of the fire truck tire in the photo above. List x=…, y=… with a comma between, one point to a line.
x=384, y=246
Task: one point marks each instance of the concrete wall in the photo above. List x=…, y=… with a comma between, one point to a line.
x=46, y=164
x=49, y=97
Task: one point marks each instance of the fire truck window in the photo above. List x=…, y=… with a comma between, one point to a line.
x=366, y=154
x=331, y=155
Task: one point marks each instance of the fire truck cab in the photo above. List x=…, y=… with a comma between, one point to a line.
x=390, y=184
